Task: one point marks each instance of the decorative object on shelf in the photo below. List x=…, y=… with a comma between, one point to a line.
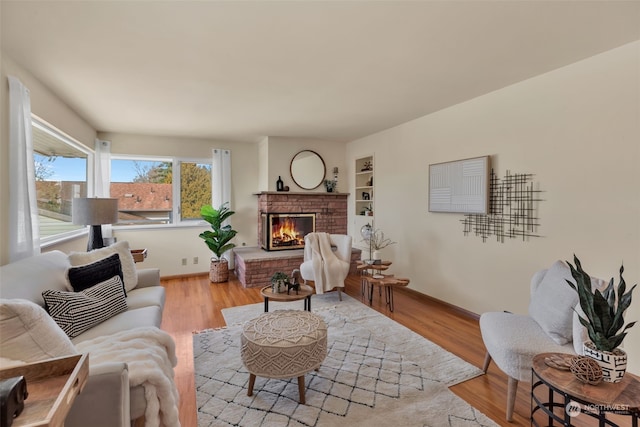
x=286, y=188
x=368, y=166
x=218, y=240
x=94, y=211
x=586, y=370
x=279, y=282
x=512, y=210
x=365, y=195
x=370, y=182
x=375, y=240
x=603, y=316
x=335, y=175
x=279, y=184
x=329, y=185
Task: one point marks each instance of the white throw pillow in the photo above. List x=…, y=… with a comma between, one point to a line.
x=29, y=334
x=552, y=303
x=129, y=271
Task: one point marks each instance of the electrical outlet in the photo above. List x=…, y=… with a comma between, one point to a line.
x=195, y=259
x=184, y=261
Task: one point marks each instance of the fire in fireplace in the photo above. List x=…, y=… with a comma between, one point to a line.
x=286, y=231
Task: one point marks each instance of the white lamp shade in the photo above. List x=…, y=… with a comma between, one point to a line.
x=94, y=211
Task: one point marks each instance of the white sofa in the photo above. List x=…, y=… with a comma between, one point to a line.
x=107, y=399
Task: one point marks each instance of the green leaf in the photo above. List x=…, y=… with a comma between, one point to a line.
x=604, y=311
x=217, y=239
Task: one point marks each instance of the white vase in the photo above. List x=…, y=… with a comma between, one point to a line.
x=613, y=363
x=377, y=255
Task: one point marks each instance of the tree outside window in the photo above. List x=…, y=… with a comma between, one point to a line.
x=146, y=187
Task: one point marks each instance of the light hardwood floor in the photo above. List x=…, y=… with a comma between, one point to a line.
x=193, y=304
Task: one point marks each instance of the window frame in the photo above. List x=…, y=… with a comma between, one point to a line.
x=176, y=214
x=47, y=127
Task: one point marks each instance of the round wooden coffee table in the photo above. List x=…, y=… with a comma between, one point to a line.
x=304, y=292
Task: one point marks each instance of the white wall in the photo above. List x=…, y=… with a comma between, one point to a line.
x=280, y=151
x=167, y=247
x=577, y=129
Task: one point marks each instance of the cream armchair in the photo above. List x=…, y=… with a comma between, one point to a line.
x=512, y=340
x=327, y=259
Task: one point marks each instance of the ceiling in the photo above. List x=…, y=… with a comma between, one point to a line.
x=333, y=70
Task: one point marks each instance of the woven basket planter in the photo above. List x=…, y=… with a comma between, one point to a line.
x=219, y=271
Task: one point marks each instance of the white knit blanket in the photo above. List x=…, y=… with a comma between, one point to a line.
x=327, y=267
x=150, y=355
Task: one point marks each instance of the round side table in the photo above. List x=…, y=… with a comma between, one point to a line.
x=579, y=399
x=304, y=292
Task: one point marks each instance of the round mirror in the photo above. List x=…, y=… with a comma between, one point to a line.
x=308, y=169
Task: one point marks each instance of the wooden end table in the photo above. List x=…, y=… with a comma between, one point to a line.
x=304, y=292
x=367, y=269
x=388, y=281
x=578, y=398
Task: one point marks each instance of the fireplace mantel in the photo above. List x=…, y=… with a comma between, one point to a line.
x=301, y=193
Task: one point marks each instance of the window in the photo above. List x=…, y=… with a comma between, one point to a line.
x=153, y=191
x=62, y=167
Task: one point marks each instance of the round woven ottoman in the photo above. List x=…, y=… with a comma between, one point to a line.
x=283, y=344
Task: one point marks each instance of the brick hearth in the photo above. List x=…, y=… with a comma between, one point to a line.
x=255, y=266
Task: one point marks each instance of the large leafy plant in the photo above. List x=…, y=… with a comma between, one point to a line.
x=604, y=311
x=218, y=238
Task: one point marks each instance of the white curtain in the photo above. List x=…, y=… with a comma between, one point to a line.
x=102, y=179
x=221, y=186
x=24, y=235
x=102, y=165
x=221, y=178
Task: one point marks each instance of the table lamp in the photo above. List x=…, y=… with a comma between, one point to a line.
x=94, y=212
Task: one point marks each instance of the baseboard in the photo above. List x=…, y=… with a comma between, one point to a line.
x=425, y=297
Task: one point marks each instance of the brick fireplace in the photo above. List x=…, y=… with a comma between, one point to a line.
x=330, y=208
x=254, y=266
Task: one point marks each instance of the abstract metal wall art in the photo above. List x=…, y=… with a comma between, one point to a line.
x=512, y=209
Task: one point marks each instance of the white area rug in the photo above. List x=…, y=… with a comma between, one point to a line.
x=377, y=373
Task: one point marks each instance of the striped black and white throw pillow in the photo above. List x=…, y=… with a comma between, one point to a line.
x=75, y=312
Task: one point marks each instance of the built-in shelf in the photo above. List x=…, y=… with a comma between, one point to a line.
x=364, y=186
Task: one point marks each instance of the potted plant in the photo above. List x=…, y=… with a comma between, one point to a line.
x=330, y=185
x=217, y=239
x=603, y=316
x=376, y=241
x=279, y=282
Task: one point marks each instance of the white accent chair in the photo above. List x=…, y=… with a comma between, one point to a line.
x=512, y=340
x=342, y=251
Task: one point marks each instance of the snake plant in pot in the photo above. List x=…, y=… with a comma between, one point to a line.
x=218, y=240
x=603, y=317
